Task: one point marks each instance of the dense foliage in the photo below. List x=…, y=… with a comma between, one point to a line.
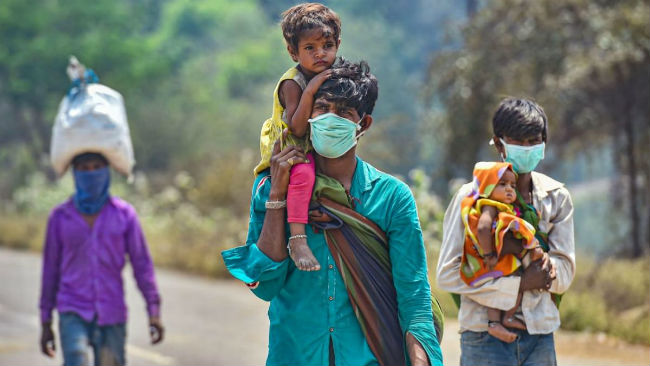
x=197, y=77
x=586, y=62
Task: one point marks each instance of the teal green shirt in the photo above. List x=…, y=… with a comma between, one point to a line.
x=309, y=308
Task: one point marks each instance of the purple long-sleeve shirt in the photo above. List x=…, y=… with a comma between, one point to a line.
x=82, y=266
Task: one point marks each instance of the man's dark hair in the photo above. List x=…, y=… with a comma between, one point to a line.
x=350, y=86
x=519, y=119
x=304, y=17
x=89, y=156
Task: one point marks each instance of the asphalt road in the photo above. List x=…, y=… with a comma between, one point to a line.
x=215, y=322
x=208, y=322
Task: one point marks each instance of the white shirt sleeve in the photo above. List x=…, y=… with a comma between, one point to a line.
x=561, y=241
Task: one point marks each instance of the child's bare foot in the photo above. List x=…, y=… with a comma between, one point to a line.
x=302, y=255
x=512, y=322
x=498, y=331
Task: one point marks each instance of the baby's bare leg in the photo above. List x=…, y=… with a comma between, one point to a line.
x=299, y=250
x=496, y=329
x=509, y=319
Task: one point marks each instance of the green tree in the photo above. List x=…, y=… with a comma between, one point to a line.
x=189, y=72
x=35, y=42
x=586, y=62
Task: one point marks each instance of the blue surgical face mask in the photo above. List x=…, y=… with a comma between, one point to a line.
x=92, y=189
x=524, y=159
x=332, y=135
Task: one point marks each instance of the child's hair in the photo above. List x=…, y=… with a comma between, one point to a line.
x=519, y=119
x=351, y=86
x=301, y=18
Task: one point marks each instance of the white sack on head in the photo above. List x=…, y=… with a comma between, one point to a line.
x=93, y=120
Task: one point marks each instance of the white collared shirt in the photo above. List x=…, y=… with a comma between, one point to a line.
x=553, y=202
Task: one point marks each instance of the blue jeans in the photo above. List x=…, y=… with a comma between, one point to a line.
x=77, y=334
x=482, y=349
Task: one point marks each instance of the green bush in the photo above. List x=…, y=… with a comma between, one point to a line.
x=611, y=296
x=22, y=232
x=623, y=284
x=632, y=325
x=583, y=311
x=205, y=210
x=187, y=223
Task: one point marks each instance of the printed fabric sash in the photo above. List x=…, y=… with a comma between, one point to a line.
x=473, y=269
x=526, y=212
x=360, y=249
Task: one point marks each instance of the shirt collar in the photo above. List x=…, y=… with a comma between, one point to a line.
x=542, y=184
x=69, y=207
x=364, y=175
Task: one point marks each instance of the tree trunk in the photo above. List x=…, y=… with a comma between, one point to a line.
x=647, y=229
x=472, y=5
x=632, y=169
x=633, y=194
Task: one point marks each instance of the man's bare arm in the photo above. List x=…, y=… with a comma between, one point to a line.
x=416, y=352
x=272, y=240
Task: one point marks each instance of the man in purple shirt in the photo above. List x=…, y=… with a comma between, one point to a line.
x=87, y=240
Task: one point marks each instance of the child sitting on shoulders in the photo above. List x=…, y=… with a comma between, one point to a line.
x=311, y=32
x=488, y=215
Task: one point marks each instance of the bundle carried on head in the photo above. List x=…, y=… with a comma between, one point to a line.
x=91, y=118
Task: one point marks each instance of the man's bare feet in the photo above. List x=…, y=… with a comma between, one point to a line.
x=512, y=322
x=498, y=331
x=302, y=255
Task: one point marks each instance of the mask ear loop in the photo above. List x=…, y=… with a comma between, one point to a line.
x=504, y=154
x=503, y=143
x=359, y=127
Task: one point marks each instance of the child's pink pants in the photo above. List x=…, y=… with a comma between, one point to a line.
x=301, y=185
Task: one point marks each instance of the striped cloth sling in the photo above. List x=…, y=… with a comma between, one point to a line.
x=361, y=252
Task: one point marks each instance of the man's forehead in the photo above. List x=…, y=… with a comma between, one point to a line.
x=336, y=107
x=533, y=137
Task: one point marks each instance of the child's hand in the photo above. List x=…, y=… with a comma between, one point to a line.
x=490, y=260
x=317, y=81
x=281, y=163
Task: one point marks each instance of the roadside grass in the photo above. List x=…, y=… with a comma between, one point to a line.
x=188, y=223
x=611, y=297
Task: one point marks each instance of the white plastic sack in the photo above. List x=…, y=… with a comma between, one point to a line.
x=94, y=120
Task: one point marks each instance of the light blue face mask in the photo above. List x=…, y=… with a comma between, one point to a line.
x=524, y=159
x=332, y=135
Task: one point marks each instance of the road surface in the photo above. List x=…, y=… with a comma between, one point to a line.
x=213, y=322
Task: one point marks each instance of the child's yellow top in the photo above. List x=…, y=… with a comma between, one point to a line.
x=273, y=127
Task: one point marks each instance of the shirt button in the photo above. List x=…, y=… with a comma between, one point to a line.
x=330, y=266
x=331, y=298
x=331, y=330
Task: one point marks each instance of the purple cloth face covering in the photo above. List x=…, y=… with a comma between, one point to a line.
x=92, y=190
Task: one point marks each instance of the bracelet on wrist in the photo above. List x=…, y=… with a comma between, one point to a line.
x=273, y=205
x=299, y=236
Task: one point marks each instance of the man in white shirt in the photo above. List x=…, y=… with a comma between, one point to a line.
x=519, y=128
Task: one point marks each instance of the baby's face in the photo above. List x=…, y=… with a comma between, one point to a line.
x=506, y=189
x=316, y=52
